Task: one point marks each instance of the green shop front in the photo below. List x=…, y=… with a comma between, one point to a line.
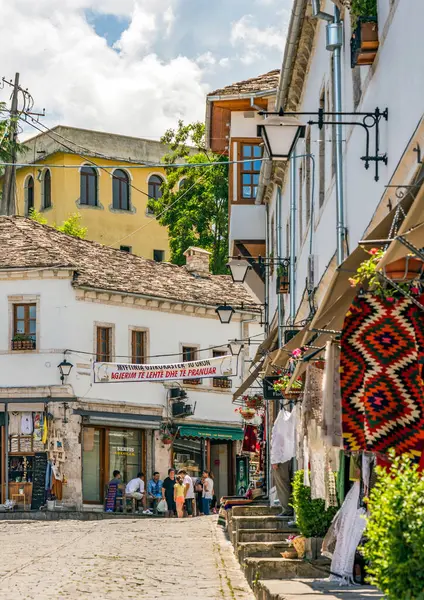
x=199, y=447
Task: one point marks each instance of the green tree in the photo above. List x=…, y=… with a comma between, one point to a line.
x=72, y=225
x=194, y=202
x=395, y=531
x=7, y=144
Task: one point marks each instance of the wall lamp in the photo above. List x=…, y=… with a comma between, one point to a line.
x=280, y=132
x=225, y=313
x=239, y=267
x=65, y=368
x=235, y=347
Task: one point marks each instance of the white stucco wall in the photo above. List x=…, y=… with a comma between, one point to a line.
x=67, y=323
x=394, y=81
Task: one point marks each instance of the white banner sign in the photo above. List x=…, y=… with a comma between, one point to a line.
x=196, y=369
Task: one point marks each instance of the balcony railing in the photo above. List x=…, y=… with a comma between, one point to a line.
x=221, y=382
x=24, y=344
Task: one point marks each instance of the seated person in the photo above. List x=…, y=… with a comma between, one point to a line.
x=154, y=490
x=135, y=489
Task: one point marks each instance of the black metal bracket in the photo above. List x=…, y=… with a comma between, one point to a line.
x=370, y=120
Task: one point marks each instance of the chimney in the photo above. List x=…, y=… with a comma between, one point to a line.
x=197, y=261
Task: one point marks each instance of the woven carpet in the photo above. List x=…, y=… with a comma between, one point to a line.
x=380, y=376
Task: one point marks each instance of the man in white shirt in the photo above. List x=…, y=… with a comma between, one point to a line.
x=189, y=491
x=282, y=451
x=135, y=489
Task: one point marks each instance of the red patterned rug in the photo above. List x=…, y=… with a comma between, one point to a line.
x=381, y=384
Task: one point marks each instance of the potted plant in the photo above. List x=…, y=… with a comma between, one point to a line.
x=312, y=518
x=364, y=42
x=255, y=401
x=404, y=271
x=281, y=385
x=283, y=284
x=166, y=439
x=21, y=341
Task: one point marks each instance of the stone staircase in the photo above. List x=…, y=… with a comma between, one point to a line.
x=259, y=537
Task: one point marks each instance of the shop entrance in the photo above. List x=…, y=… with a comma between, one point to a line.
x=106, y=449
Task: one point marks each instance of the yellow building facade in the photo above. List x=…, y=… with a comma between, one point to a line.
x=110, y=195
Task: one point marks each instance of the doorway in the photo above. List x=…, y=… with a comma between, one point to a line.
x=220, y=465
x=106, y=449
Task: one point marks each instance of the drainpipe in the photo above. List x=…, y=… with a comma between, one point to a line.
x=293, y=237
x=267, y=271
x=279, y=255
x=6, y=437
x=335, y=43
x=334, y=35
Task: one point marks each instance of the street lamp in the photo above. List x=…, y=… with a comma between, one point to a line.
x=280, y=135
x=238, y=268
x=225, y=313
x=65, y=368
x=235, y=347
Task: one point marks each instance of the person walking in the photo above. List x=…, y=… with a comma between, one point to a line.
x=179, y=496
x=168, y=492
x=189, y=491
x=207, y=494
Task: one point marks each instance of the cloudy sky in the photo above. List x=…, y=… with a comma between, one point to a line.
x=136, y=66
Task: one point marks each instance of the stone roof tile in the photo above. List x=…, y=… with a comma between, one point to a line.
x=262, y=83
x=25, y=243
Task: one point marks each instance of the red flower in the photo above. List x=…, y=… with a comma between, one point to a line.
x=390, y=299
x=415, y=290
x=373, y=251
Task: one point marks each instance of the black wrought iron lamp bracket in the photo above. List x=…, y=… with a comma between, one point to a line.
x=370, y=120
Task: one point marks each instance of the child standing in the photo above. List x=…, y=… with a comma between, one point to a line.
x=179, y=496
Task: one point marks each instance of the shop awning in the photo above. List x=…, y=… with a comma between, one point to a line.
x=279, y=358
x=339, y=295
x=211, y=433
x=250, y=379
x=411, y=230
x=125, y=420
x=267, y=344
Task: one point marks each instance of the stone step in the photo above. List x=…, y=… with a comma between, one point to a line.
x=255, y=511
x=311, y=589
x=262, y=522
x=263, y=535
x=261, y=549
x=256, y=569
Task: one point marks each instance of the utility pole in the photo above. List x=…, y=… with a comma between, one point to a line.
x=8, y=200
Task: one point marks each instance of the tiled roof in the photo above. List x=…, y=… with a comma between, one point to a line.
x=26, y=243
x=262, y=83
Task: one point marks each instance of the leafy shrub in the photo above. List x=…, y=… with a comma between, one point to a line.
x=395, y=532
x=363, y=8
x=312, y=518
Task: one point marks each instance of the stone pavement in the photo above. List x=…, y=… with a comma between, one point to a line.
x=186, y=559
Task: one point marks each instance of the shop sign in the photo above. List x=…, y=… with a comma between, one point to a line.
x=269, y=392
x=125, y=451
x=221, y=366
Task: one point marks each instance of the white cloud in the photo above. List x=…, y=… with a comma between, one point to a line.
x=252, y=41
x=81, y=81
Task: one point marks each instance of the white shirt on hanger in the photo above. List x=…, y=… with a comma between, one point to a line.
x=283, y=438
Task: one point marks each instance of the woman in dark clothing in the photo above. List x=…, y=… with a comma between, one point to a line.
x=168, y=492
x=198, y=490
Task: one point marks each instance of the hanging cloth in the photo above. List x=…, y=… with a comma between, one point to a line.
x=45, y=430
x=331, y=397
x=26, y=423
x=382, y=389
x=14, y=423
x=349, y=524
x=250, y=438
x=340, y=484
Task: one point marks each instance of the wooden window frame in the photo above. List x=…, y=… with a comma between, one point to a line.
x=163, y=255
x=27, y=319
x=242, y=171
x=122, y=182
x=196, y=351
x=85, y=177
x=106, y=356
x=29, y=190
x=220, y=382
x=138, y=358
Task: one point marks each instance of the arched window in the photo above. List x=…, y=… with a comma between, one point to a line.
x=88, y=195
x=182, y=183
x=121, y=190
x=154, y=189
x=29, y=195
x=47, y=190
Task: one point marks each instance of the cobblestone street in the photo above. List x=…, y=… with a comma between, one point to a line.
x=149, y=558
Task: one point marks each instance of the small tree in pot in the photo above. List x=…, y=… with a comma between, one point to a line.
x=364, y=42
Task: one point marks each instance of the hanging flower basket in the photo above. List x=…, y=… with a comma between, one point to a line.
x=247, y=413
x=281, y=385
x=167, y=440
x=404, y=269
x=256, y=401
